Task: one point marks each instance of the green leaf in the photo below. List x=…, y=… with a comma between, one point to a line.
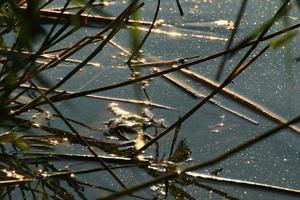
x=75, y=20
x=15, y=139
x=2, y=43
x=22, y=144
x=283, y=40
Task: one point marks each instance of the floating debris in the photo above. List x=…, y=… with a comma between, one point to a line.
x=39, y=118
x=127, y=122
x=222, y=23
x=182, y=153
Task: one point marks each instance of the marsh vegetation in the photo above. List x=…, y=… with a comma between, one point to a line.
x=149, y=99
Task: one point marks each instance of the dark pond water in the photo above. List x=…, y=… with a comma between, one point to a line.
x=272, y=81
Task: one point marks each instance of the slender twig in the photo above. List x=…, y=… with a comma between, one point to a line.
x=15, y=182
x=54, y=25
x=54, y=39
x=229, y=42
x=82, y=157
x=67, y=52
x=252, y=48
x=147, y=34
x=216, y=55
x=85, y=19
x=207, y=163
x=48, y=56
x=194, y=176
x=108, y=147
x=80, y=137
x=186, y=65
x=176, y=132
x=239, y=98
x=240, y=66
x=79, y=6
x=194, y=109
x=134, y=101
x=119, y=22
x=45, y=4
x=190, y=90
x=179, y=7
x=194, y=93
x=47, y=39
x=134, y=7
x=19, y=95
